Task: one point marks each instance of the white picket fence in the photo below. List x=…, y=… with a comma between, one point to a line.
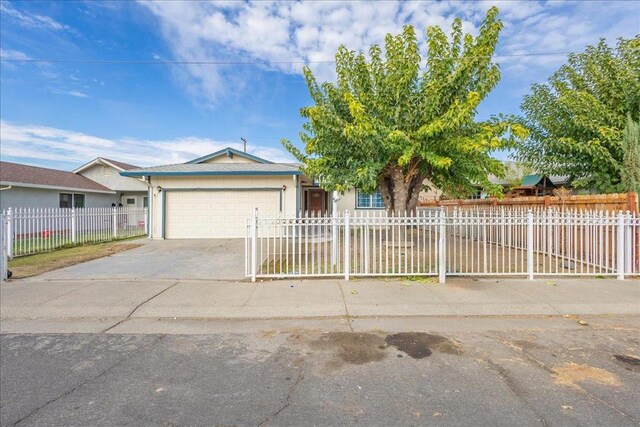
x=34, y=230
x=493, y=242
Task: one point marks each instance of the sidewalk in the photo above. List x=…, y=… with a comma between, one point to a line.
x=102, y=304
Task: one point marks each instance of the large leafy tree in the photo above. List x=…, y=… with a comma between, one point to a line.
x=390, y=124
x=630, y=176
x=577, y=119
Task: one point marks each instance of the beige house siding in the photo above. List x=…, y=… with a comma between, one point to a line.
x=111, y=178
x=223, y=158
x=218, y=182
x=348, y=199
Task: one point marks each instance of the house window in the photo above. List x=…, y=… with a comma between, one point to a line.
x=369, y=201
x=145, y=202
x=476, y=196
x=68, y=200
x=131, y=201
x=78, y=200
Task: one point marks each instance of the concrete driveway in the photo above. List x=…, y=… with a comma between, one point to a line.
x=209, y=259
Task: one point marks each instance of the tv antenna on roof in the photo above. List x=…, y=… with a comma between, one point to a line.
x=244, y=140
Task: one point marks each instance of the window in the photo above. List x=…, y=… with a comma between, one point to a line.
x=65, y=200
x=364, y=201
x=145, y=202
x=68, y=200
x=477, y=195
x=78, y=200
x=131, y=201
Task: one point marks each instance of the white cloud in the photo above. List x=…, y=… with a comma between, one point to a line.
x=12, y=54
x=283, y=31
x=31, y=20
x=36, y=144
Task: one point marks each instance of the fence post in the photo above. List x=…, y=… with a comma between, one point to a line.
x=334, y=229
x=530, y=244
x=620, y=247
x=146, y=220
x=74, y=228
x=347, y=245
x=9, y=231
x=254, y=245
x=442, y=245
x=115, y=222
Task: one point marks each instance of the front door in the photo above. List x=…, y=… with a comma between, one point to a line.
x=315, y=200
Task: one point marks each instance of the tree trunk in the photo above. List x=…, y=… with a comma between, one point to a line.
x=400, y=193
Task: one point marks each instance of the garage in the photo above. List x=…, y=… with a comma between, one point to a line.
x=212, y=213
x=212, y=197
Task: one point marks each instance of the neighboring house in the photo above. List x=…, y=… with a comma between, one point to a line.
x=25, y=186
x=131, y=192
x=214, y=195
x=96, y=184
x=537, y=185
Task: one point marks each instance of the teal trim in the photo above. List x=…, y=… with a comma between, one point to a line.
x=166, y=190
x=229, y=152
x=211, y=173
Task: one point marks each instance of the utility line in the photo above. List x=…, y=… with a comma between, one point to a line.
x=216, y=62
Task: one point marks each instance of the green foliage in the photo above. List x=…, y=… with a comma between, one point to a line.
x=630, y=175
x=389, y=123
x=576, y=119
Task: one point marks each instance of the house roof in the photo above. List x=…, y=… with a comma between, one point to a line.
x=33, y=176
x=215, y=169
x=101, y=160
x=229, y=152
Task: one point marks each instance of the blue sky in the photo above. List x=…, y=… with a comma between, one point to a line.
x=63, y=114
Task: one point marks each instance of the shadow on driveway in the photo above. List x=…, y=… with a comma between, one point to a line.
x=210, y=259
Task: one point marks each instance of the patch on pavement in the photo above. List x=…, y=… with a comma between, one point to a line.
x=570, y=374
x=420, y=345
x=353, y=348
x=358, y=348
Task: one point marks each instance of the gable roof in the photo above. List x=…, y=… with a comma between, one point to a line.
x=214, y=169
x=230, y=152
x=37, y=177
x=101, y=160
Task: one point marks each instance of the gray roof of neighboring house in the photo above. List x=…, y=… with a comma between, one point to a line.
x=121, y=165
x=34, y=176
x=217, y=169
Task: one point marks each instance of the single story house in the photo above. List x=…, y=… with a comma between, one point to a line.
x=214, y=195
x=95, y=184
x=131, y=192
x=537, y=185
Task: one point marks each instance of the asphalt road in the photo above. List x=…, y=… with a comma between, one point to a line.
x=504, y=371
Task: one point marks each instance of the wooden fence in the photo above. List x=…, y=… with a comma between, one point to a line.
x=593, y=202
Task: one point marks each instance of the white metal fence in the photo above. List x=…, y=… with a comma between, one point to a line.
x=436, y=242
x=4, y=253
x=33, y=230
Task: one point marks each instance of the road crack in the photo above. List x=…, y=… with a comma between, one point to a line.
x=128, y=316
x=346, y=309
x=550, y=370
x=87, y=381
x=287, y=402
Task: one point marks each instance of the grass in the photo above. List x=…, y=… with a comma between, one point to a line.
x=32, y=265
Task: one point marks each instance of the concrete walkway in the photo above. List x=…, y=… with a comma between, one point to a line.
x=99, y=305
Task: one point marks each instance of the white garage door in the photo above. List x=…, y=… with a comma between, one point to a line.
x=215, y=214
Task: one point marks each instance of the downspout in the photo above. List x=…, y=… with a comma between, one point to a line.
x=147, y=180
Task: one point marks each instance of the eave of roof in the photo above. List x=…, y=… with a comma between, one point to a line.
x=99, y=160
x=139, y=173
x=56, y=187
x=226, y=151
